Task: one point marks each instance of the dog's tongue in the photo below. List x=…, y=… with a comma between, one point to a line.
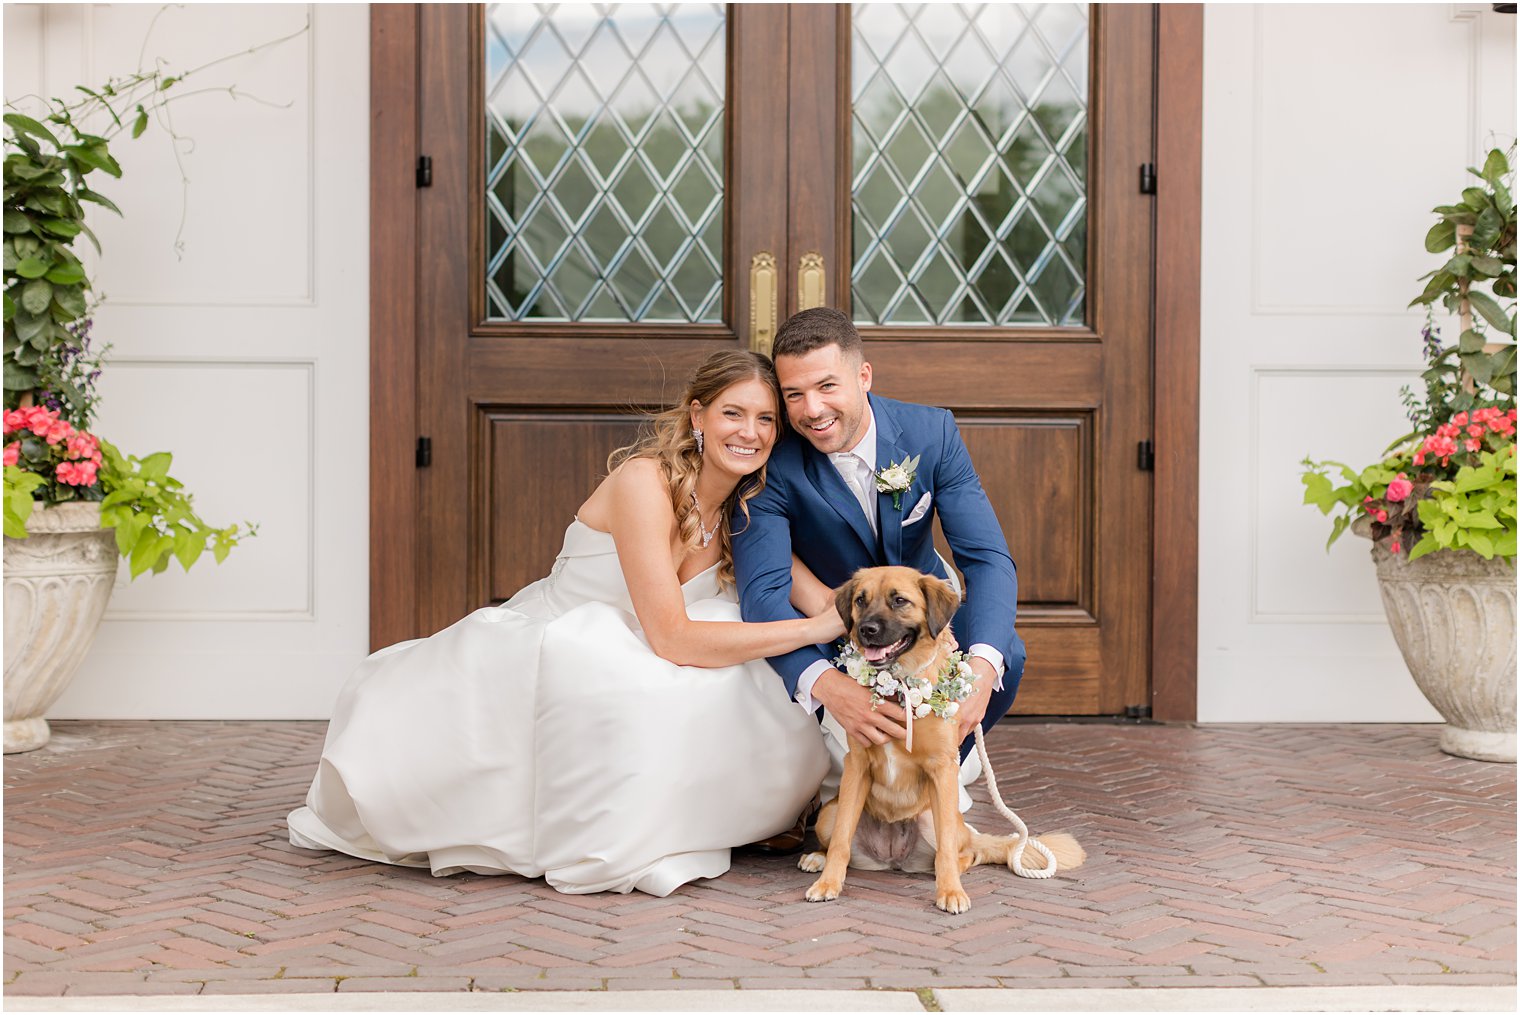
x=876, y=655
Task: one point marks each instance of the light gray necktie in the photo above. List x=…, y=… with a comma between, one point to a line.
x=857, y=474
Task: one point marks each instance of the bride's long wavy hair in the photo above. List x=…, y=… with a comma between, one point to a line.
x=668, y=439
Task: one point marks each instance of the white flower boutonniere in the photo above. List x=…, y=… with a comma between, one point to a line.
x=896, y=478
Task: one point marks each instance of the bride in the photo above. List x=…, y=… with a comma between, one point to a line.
x=613, y=726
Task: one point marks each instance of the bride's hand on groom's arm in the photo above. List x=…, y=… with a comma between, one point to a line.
x=850, y=705
x=828, y=627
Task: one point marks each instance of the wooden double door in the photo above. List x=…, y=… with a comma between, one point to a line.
x=609, y=195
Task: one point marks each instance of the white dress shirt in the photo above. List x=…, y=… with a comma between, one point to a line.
x=857, y=467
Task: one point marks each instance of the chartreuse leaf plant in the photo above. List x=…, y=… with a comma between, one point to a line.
x=1450, y=483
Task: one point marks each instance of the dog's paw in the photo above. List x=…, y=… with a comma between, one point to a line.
x=824, y=890
x=953, y=901
x=812, y=862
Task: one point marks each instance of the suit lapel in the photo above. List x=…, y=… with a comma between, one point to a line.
x=831, y=486
x=889, y=450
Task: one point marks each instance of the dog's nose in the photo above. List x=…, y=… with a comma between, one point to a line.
x=870, y=629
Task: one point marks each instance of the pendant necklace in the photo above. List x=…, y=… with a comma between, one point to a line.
x=707, y=537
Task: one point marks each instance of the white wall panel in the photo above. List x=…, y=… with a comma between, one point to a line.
x=245, y=353
x=270, y=577
x=1340, y=151
x=1291, y=407
x=247, y=236
x=1329, y=132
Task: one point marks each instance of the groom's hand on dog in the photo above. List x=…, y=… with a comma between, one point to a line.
x=974, y=708
x=850, y=705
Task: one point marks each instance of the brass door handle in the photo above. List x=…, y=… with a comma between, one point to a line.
x=762, y=302
x=810, y=276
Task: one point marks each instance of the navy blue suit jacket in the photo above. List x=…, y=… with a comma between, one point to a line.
x=806, y=508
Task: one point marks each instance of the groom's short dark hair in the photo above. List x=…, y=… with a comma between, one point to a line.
x=812, y=329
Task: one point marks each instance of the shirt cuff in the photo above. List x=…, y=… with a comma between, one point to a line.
x=804, y=695
x=988, y=653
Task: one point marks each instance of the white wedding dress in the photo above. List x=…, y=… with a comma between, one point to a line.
x=543, y=737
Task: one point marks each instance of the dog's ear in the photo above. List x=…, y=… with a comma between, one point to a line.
x=940, y=602
x=844, y=602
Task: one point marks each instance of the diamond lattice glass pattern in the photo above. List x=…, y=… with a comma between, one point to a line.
x=970, y=163
x=604, y=175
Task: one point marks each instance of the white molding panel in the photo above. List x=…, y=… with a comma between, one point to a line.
x=1354, y=121
x=246, y=354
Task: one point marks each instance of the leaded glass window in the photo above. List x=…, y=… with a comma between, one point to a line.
x=604, y=162
x=969, y=187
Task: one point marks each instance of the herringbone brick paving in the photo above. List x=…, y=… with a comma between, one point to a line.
x=151, y=858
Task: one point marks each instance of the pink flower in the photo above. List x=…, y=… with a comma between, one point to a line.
x=1395, y=547
x=83, y=445
x=1460, y=419
x=39, y=420
x=12, y=453
x=1382, y=515
x=1475, y=430
x=1472, y=444
x=14, y=420
x=1399, y=488
x=60, y=430
x=77, y=473
x=1419, y=458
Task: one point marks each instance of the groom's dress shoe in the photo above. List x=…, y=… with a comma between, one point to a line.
x=790, y=841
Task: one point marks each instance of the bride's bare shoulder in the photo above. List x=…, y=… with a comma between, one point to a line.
x=636, y=481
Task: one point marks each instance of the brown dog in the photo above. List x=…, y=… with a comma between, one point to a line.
x=899, y=809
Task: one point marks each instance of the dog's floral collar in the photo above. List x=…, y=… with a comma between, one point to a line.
x=918, y=695
x=896, y=478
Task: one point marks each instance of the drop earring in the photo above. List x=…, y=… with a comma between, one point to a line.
x=698, y=435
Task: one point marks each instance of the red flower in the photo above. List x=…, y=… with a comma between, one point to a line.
x=1475, y=430
x=1472, y=444
x=1460, y=419
x=12, y=453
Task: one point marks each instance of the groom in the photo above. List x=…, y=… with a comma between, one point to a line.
x=821, y=502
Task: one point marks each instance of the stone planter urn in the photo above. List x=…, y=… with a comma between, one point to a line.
x=1453, y=616
x=57, y=584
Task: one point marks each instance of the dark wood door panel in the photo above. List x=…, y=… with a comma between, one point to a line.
x=1065, y=671
x=537, y=469
x=1011, y=374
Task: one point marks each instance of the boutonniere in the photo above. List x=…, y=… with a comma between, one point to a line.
x=896, y=478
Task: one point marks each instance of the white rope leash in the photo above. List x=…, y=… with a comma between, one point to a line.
x=1015, y=861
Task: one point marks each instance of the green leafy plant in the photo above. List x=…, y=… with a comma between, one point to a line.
x=1450, y=484
x=154, y=518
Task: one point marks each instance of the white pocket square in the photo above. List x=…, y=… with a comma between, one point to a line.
x=919, y=510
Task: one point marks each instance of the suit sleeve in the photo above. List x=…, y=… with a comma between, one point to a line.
x=763, y=570
x=981, y=552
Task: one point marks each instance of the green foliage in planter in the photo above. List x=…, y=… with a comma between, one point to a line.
x=45, y=191
x=1476, y=511
x=1486, y=257
x=19, y=485
x=154, y=519
x=1450, y=484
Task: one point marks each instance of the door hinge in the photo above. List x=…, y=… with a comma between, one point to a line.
x=1137, y=712
x=425, y=171
x=424, y=452
x=1146, y=459
x=1148, y=178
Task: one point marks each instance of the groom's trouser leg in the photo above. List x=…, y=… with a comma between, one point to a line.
x=997, y=707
